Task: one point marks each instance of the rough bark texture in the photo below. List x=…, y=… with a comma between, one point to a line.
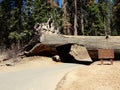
x=90, y=42
x=42, y=49
x=52, y=44
x=67, y=52
x=75, y=18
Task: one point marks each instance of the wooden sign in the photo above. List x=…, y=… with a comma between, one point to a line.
x=106, y=54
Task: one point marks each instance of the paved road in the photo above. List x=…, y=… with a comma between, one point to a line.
x=42, y=78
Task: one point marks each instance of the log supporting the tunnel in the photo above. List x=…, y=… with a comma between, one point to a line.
x=64, y=53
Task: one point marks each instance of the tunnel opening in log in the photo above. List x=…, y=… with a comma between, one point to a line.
x=66, y=56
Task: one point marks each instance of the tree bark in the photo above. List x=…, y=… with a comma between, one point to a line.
x=75, y=18
x=51, y=42
x=90, y=42
x=105, y=28
x=82, y=24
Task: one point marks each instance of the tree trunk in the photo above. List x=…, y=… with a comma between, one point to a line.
x=75, y=18
x=105, y=31
x=82, y=24
x=50, y=43
x=63, y=1
x=90, y=42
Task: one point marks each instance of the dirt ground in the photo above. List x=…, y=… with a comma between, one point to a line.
x=27, y=63
x=93, y=77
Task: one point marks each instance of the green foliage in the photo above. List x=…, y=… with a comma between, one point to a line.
x=17, y=24
x=103, y=10
x=40, y=12
x=14, y=36
x=25, y=34
x=13, y=21
x=4, y=23
x=105, y=13
x=116, y=21
x=56, y=15
x=95, y=25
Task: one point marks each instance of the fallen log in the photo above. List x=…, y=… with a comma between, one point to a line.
x=42, y=49
x=90, y=42
x=67, y=52
x=48, y=44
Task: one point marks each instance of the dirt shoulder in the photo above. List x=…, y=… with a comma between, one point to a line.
x=93, y=77
x=27, y=63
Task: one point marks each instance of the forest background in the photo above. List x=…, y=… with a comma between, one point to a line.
x=72, y=17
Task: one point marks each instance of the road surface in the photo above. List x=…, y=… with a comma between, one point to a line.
x=40, y=78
